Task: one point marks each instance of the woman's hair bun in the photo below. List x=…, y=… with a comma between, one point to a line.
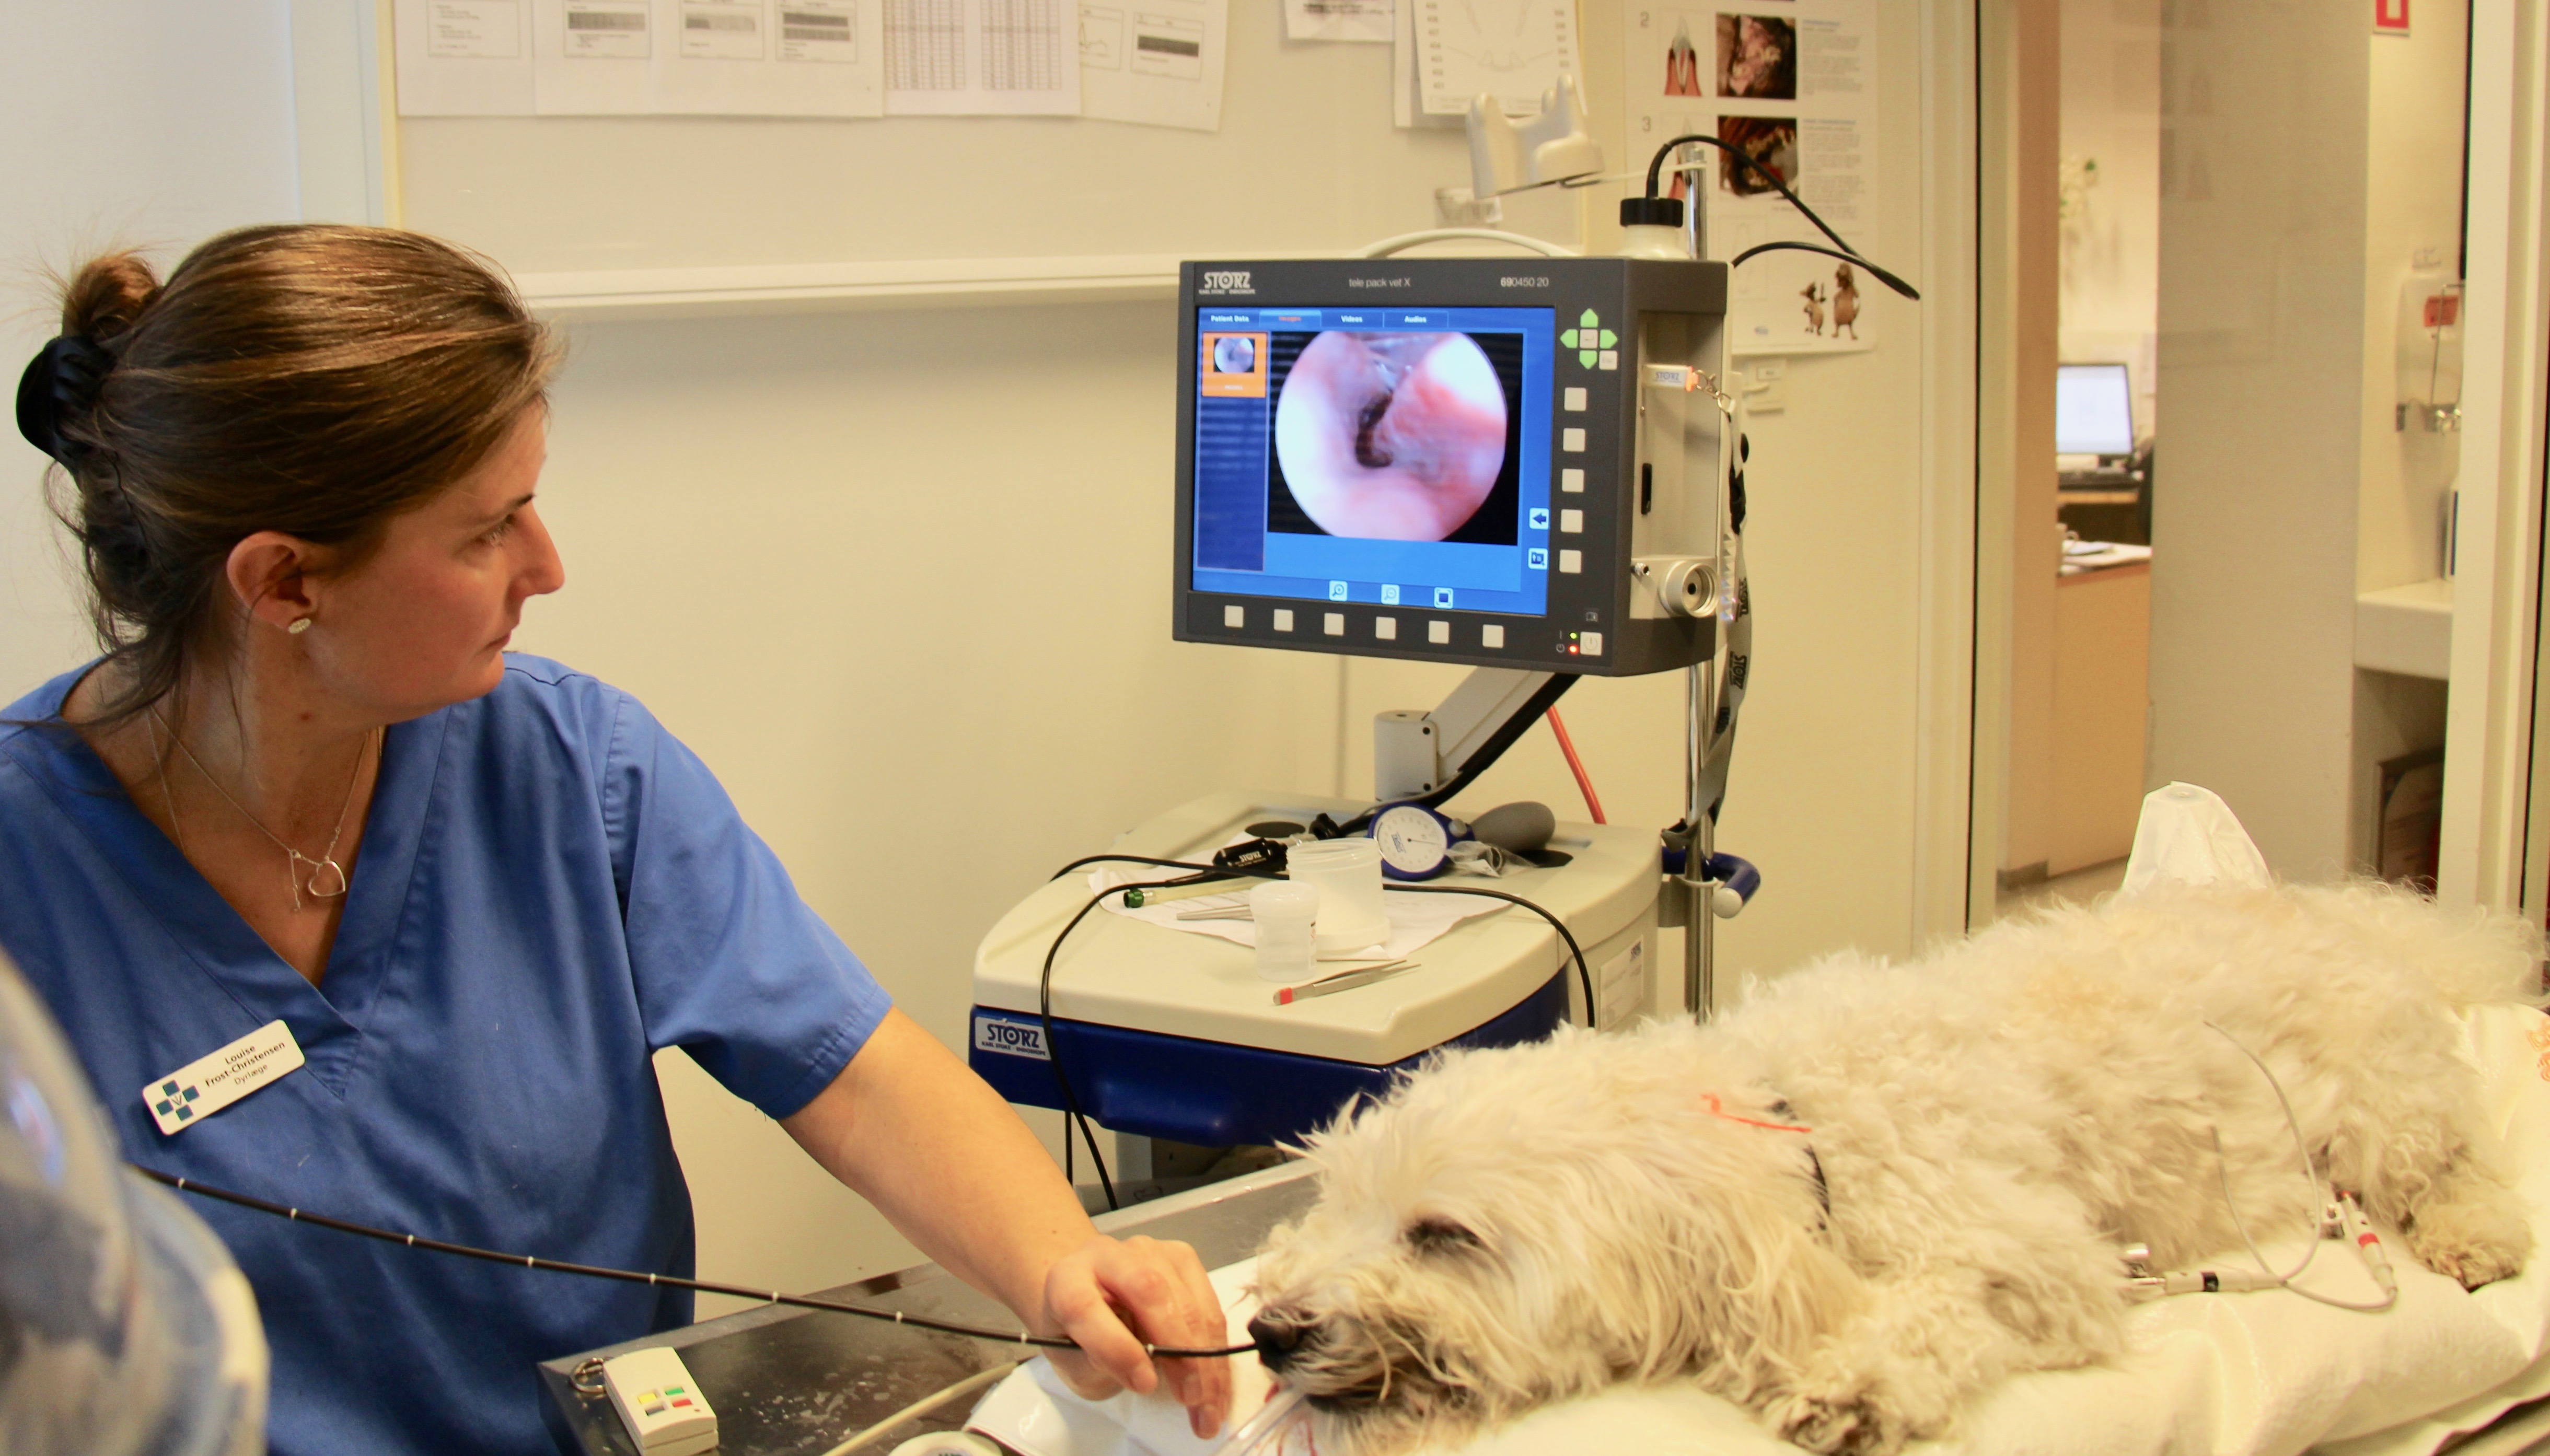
x=107, y=294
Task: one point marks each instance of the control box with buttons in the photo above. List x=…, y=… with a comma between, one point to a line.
x=659, y=1403
x=1506, y=463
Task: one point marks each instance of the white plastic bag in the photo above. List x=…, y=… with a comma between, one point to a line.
x=2189, y=836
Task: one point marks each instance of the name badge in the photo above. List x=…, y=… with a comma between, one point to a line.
x=205, y=1086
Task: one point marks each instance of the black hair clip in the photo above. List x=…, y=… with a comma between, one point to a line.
x=66, y=374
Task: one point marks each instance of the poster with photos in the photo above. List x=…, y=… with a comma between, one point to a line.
x=1792, y=83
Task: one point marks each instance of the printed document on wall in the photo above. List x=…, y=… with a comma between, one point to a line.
x=1367, y=21
x=772, y=57
x=1154, y=61
x=1512, y=49
x=982, y=58
x=463, y=58
x=1406, y=86
x=594, y=57
x=715, y=57
x=1792, y=83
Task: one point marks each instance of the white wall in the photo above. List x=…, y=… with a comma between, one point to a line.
x=2262, y=216
x=132, y=123
x=2414, y=191
x=2110, y=99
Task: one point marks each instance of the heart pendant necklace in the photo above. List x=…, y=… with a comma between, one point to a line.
x=327, y=878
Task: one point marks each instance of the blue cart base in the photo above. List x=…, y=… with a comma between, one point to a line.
x=1211, y=1093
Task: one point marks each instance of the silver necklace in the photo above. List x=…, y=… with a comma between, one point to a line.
x=327, y=877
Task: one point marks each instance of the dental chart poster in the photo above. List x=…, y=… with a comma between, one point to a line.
x=1794, y=84
x=1157, y=62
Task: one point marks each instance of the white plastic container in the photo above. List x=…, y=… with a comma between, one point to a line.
x=1348, y=874
x=1286, y=911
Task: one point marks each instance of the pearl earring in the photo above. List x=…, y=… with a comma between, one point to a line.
x=298, y=625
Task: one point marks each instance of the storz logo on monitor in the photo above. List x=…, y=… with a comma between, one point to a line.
x=1009, y=1038
x=1226, y=281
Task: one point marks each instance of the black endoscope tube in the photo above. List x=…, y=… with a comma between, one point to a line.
x=667, y=1281
x=1848, y=254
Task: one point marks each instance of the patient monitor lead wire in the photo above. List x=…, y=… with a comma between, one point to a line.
x=2339, y=1209
x=1075, y=1118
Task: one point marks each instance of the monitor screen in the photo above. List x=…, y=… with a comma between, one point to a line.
x=2094, y=411
x=1381, y=455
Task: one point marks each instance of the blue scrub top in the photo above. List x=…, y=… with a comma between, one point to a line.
x=551, y=888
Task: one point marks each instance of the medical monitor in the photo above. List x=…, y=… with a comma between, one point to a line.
x=1444, y=459
x=2093, y=410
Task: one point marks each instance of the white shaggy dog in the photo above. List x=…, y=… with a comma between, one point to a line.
x=1875, y=1189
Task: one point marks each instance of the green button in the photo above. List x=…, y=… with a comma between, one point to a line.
x=1591, y=320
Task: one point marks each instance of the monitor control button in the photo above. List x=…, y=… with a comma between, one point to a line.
x=1283, y=618
x=1590, y=643
x=1234, y=617
x=1571, y=522
x=1572, y=440
x=1492, y=636
x=1386, y=628
x=1335, y=624
x=1572, y=482
x=1571, y=562
x=1576, y=397
x=1610, y=359
x=1439, y=633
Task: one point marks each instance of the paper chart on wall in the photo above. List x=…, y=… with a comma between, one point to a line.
x=1338, y=20
x=463, y=58
x=1157, y=63
x=1406, y=98
x=1512, y=49
x=981, y=57
x=1794, y=83
x=641, y=57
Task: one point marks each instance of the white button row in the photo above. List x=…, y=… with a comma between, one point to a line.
x=1386, y=628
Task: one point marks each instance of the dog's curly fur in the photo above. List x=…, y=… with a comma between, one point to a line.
x=1992, y=1124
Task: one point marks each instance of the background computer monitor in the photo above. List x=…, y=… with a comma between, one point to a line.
x=2093, y=410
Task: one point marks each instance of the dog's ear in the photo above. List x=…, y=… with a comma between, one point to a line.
x=1437, y=1235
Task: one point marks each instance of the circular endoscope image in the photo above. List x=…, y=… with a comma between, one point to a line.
x=1394, y=436
x=1235, y=354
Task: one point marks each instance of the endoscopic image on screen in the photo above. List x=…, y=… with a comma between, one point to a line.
x=1397, y=436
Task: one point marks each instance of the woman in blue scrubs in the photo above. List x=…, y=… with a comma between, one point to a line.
x=307, y=785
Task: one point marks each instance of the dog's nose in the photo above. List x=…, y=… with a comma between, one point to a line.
x=1276, y=1339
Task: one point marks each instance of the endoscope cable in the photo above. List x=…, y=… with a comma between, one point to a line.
x=665, y=1281
x=1045, y=979
x=1848, y=254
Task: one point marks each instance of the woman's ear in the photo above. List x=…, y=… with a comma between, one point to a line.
x=272, y=577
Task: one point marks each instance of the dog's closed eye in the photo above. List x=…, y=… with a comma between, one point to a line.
x=1438, y=1235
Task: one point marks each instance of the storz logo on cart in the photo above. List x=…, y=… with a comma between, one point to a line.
x=1226, y=281
x=1009, y=1038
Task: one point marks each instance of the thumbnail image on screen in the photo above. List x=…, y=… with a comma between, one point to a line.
x=1410, y=436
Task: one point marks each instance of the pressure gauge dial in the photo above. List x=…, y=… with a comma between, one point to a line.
x=1415, y=842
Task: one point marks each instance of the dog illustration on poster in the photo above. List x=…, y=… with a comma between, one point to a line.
x=1845, y=301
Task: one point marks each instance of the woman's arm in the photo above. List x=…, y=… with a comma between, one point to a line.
x=913, y=1131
